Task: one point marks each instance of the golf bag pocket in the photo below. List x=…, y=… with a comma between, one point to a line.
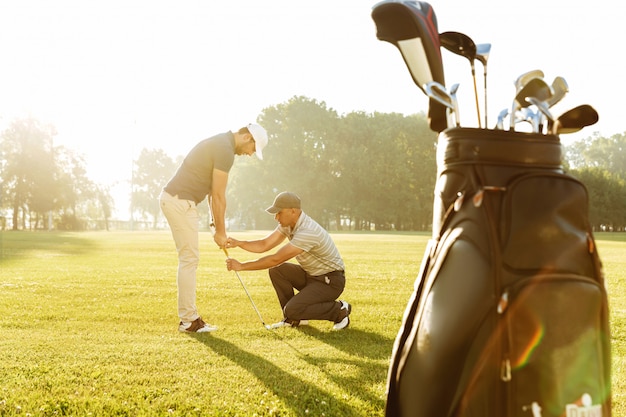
x=553, y=359
x=544, y=227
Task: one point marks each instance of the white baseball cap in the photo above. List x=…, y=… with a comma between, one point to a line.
x=260, y=138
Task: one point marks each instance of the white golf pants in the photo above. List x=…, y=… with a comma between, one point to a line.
x=183, y=218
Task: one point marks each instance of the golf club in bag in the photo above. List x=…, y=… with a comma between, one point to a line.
x=412, y=27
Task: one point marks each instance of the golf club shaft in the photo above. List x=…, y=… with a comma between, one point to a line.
x=485, y=89
x=246, y=290
x=476, y=96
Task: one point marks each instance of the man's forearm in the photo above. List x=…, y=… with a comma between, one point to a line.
x=218, y=208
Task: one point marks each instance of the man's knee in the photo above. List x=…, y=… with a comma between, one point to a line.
x=275, y=273
x=294, y=310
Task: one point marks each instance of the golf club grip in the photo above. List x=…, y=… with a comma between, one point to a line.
x=226, y=252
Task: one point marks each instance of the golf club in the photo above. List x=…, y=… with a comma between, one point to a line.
x=560, y=88
x=455, y=103
x=543, y=114
x=535, y=87
x=482, y=54
x=438, y=93
x=212, y=228
x=412, y=27
x=461, y=44
x=574, y=120
x=530, y=116
x=523, y=79
x=267, y=326
x=501, y=116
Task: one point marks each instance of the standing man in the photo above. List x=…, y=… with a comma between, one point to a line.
x=204, y=172
x=319, y=278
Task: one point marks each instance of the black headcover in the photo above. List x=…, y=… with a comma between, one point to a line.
x=412, y=27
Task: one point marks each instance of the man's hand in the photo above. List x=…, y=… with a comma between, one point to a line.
x=233, y=264
x=232, y=243
x=220, y=239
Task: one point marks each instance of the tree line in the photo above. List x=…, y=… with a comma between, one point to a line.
x=358, y=171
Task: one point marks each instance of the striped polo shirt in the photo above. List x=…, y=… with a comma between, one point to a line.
x=320, y=255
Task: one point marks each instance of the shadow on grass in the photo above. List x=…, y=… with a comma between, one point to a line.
x=359, y=343
x=297, y=394
x=20, y=244
x=354, y=341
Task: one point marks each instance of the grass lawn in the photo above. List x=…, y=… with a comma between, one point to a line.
x=88, y=326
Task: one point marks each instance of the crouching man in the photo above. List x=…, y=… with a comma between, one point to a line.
x=319, y=276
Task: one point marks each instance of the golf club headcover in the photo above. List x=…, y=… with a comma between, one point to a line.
x=412, y=27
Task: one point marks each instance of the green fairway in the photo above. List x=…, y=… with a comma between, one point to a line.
x=88, y=326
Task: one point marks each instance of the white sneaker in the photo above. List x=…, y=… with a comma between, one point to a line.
x=345, y=322
x=196, y=326
x=289, y=323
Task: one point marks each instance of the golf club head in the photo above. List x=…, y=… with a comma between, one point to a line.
x=543, y=113
x=574, y=120
x=482, y=52
x=500, y=122
x=412, y=27
x=542, y=106
x=529, y=116
x=459, y=43
x=536, y=88
x=560, y=88
x=438, y=93
x=525, y=77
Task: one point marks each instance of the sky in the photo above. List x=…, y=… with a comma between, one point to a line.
x=115, y=77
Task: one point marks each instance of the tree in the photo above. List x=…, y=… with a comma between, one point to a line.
x=297, y=159
x=598, y=151
x=28, y=169
x=359, y=169
x=607, y=196
x=151, y=171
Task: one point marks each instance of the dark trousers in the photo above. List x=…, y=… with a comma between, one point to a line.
x=316, y=297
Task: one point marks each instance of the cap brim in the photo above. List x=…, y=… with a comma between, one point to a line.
x=272, y=210
x=259, y=154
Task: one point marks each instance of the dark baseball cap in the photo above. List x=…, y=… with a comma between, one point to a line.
x=282, y=201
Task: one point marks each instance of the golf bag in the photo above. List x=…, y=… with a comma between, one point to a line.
x=509, y=315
